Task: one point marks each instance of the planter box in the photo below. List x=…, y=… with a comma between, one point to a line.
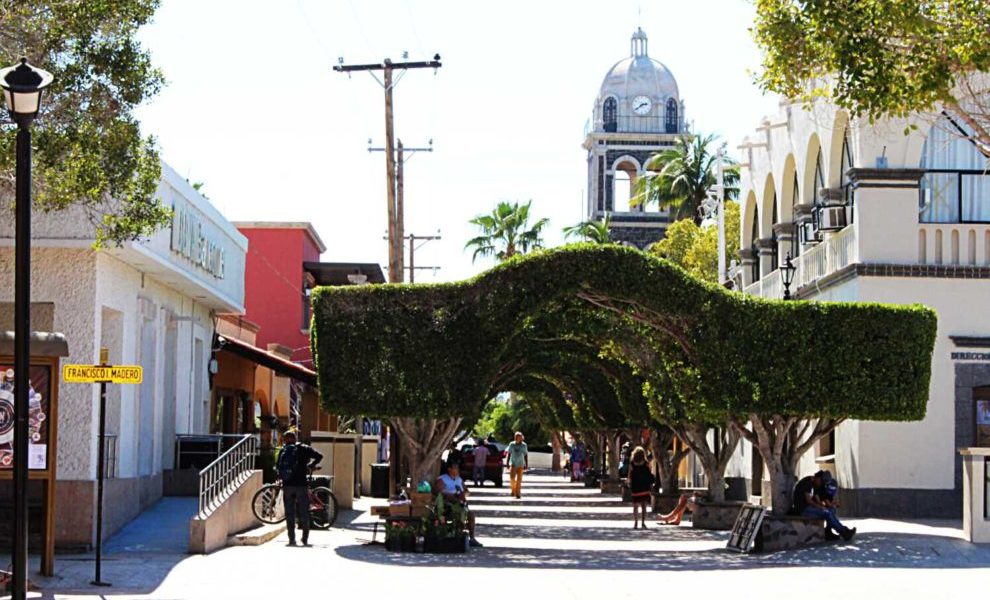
x=715, y=516
x=455, y=545
x=611, y=486
x=664, y=503
x=400, y=544
x=786, y=533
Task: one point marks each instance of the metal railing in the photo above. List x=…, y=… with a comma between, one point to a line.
x=221, y=477
x=195, y=451
x=835, y=253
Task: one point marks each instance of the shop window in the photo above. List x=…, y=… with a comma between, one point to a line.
x=981, y=396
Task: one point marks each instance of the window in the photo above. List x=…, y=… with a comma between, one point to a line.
x=819, y=177
x=981, y=396
x=754, y=248
x=849, y=194
x=774, y=253
x=305, y=305
x=795, y=200
x=955, y=187
x=610, y=114
x=670, y=116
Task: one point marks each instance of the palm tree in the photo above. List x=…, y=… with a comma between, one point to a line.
x=506, y=232
x=678, y=179
x=596, y=232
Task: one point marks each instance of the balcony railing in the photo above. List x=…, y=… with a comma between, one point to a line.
x=835, y=253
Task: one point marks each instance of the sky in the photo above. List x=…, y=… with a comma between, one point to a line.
x=254, y=111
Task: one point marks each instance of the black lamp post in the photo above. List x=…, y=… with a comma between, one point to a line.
x=787, y=275
x=22, y=85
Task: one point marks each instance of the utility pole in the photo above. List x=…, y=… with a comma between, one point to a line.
x=720, y=190
x=412, y=253
x=394, y=208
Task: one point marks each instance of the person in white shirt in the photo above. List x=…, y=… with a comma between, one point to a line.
x=480, y=458
x=451, y=486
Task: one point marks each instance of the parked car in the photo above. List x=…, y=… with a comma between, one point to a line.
x=493, y=465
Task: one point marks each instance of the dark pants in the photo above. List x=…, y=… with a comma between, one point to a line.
x=828, y=515
x=296, y=500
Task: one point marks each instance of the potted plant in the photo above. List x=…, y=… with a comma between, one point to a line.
x=400, y=536
x=444, y=527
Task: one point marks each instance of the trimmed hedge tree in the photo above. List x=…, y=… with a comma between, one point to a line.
x=434, y=353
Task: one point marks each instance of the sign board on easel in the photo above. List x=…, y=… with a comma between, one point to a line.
x=746, y=527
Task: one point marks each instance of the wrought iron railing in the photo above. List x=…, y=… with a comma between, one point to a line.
x=225, y=474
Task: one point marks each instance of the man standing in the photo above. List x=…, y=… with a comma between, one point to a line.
x=480, y=458
x=294, y=463
x=518, y=458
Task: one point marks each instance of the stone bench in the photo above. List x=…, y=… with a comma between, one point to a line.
x=789, y=532
x=715, y=516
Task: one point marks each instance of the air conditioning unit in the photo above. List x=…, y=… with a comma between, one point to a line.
x=832, y=217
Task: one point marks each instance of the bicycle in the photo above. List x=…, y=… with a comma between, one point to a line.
x=268, y=507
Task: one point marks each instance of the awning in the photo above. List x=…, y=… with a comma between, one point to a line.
x=267, y=359
x=42, y=344
x=325, y=273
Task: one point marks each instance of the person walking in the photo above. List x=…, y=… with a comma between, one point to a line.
x=294, y=463
x=480, y=458
x=578, y=455
x=640, y=481
x=518, y=459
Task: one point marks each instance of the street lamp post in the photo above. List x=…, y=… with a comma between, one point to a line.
x=22, y=85
x=787, y=275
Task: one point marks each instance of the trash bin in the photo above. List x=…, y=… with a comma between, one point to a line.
x=379, y=480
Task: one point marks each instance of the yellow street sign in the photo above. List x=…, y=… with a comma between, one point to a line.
x=100, y=373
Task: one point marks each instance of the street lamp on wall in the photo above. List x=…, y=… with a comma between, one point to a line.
x=22, y=87
x=787, y=275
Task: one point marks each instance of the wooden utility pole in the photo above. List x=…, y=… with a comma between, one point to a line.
x=412, y=237
x=400, y=217
x=393, y=180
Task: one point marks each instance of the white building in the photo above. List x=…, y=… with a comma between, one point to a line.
x=871, y=214
x=152, y=303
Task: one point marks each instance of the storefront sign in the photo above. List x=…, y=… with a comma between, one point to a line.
x=189, y=239
x=971, y=356
x=37, y=417
x=132, y=374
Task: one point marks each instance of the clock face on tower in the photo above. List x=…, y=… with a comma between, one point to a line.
x=642, y=105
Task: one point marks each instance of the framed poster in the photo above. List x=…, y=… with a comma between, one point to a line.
x=746, y=527
x=983, y=423
x=38, y=410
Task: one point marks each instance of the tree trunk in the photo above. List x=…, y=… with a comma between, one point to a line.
x=667, y=458
x=423, y=442
x=713, y=460
x=613, y=454
x=556, y=444
x=594, y=445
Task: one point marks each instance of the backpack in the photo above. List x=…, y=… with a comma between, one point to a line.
x=287, y=462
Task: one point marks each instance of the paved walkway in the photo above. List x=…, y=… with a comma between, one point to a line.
x=560, y=540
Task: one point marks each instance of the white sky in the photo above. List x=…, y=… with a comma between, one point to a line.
x=253, y=109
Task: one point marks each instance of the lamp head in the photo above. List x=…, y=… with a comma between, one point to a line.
x=22, y=85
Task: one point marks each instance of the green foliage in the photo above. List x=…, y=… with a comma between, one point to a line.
x=880, y=58
x=506, y=232
x=603, y=324
x=89, y=151
x=695, y=248
x=502, y=418
x=596, y=232
x=678, y=179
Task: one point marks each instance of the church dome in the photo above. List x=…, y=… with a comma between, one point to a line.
x=639, y=94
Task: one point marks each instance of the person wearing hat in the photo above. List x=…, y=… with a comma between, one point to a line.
x=807, y=503
x=828, y=493
x=294, y=464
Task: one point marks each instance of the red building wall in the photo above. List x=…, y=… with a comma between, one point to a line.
x=274, y=285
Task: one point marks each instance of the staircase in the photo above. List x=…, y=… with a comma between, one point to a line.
x=226, y=488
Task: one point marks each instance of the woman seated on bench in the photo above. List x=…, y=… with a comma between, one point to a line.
x=452, y=487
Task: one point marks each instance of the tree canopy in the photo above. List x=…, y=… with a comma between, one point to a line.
x=443, y=350
x=506, y=231
x=695, y=247
x=881, y=58
x=89, y=151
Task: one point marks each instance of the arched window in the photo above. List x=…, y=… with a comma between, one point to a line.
x=845, y=181
x=610, y=110
x=755, y=233
x=775, y=255
x=795, y=236
x=819, y=178
x=955, y=187
x=670, y=116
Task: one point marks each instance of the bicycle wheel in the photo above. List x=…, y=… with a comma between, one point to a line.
x=322, y=508
x=267, y=504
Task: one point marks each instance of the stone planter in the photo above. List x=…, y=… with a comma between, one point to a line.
x=611, y=486
x=715, y=516
x=787, y=533
x=664, y=503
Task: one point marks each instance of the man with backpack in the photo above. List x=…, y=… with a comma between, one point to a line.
x=294, y=463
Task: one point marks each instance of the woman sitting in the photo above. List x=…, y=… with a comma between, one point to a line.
x=451, y=486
